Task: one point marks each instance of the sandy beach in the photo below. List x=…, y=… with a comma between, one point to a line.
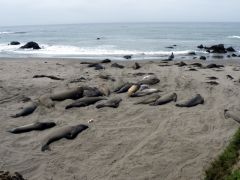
x=129, y=142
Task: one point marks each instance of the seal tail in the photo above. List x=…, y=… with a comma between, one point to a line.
x=45, y=148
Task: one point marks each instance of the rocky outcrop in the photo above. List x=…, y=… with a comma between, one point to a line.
x=127, y=56
x=31, y=45
x=230, y=49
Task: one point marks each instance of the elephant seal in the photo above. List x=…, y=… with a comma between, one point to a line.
x=92, y=92
x=124, y=88
x=68, y=94
x=149, y=80
x=232, y=114
x=197, y=99
x=145, y=92
x=38, y=126
x=134, y=88
x=165, y=99
x=149, y=99
x=29, y=109
x=46, y=101
x=104, y=90
x=116, y=65
x=68, y=132
x=136, y=66
x=86, y=101
x=114, y=103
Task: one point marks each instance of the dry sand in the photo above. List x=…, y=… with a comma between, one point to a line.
x=130, y=142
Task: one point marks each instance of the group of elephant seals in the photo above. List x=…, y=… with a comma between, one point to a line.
x=165, y=99
x=114, y=103
x=38, y=126
x=69, y=94
x=86, y=101
x=197, y=99
x=27, y=110
x=232, y=114
x=68, y=132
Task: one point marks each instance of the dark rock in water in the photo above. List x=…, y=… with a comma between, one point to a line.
x=217, y=49
x=234, y=55
x=106, y=61
x=98, y=38
x=31, y=44
x=228, y=56
x=116, y=65
x=201, y=46
x=14, y=43
x=230, y=49
x=127, y=56
x=194, y=57
x=238, y=55
x=174, y=45
x=202, y=58
x=170, y=47
x=136, y=66
x=192, y=53
x=208, y=51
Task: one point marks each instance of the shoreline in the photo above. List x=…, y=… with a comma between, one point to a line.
x=131, y=141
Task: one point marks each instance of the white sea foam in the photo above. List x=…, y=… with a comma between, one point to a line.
x=74, y=51
x=234, y=37
x=10, y=32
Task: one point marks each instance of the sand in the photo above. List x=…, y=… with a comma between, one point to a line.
x=130, y=142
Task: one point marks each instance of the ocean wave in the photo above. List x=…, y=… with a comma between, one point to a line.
x=74, y=51
x=234, y=37
x=10, y=32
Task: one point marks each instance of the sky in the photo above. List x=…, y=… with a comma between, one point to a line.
x=40, y=12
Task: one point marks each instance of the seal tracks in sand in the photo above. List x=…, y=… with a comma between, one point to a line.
x=152, y=134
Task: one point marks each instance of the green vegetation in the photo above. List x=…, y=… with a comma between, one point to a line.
x=221, y=168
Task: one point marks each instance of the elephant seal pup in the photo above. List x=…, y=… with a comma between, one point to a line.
x=145, y=92
x=134, y=88
x=197, y=99
x=124, y=88
x=232, y=114
x=29, y=109
x=38, y=126
x=149, y=99
x=86, y=101
x=68, y=132
x=149, y=80
x=114, y=103
x=165, y=99
x=46, y=101
x=68, y=94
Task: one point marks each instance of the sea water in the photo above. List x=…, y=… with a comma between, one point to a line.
x=141, y=40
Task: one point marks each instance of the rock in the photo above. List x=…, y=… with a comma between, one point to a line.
x=30, y=45
x=228, y=56
x=127, y=56
x=14, y=43
x=200, y=46
x=192, y=53
x=98, y=38
x=234, y=55
x=217, y=49
x=202, y=58
x=174, y=45
x=231, y=49
x=106, y=61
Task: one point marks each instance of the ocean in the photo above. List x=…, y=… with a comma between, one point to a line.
x=141, y=40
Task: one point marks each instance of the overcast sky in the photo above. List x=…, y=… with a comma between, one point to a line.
x=31, y=12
